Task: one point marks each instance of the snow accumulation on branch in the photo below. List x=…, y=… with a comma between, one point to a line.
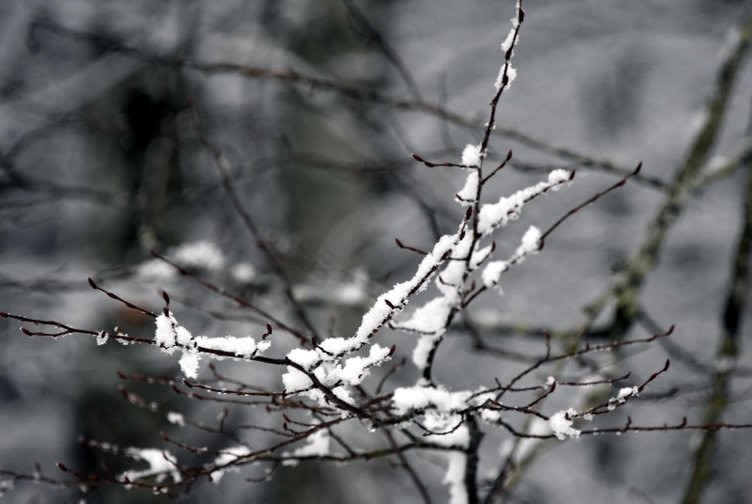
x=171, y=336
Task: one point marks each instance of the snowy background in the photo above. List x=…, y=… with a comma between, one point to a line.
x=100, y=161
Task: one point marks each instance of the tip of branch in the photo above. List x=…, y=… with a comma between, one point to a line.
x=637, y=170
x=166, y=298
x=26, y=331
x=670, y=330
x=509, y=156
x=392, y=349
x=62, y=467
x=572, y=175
x=91, y=283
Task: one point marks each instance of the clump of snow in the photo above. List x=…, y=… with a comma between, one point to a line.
x=561, y=424
x=161, y=464
x=189, y=363
x=507, y=44
x=169, y=334
x=472, y=155
x=245, y=347
x=155, y=270
x=199, y=254
x=530, y=242
x=295, y=381
x=479, y=256
x=627, y=392
x=398, y=295
x=423, y=348
x=622, y=396
x=350, y=292
x=558, y=177
x=429, y=318
x=356, y=368
x=102, y=337
x=469, y=192
x=351, y=371
x=511, y=74
x=406, y=399
x=507, y=209
x=226, y=458
x=176, y=418
x=492, y=273
x=455, y=477
x=306, y=358
x=243, y=272
x=317, y=444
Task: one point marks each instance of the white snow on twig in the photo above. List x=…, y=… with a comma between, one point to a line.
x=561, y=424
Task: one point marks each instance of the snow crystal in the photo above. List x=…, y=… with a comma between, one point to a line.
x=471, y=155
x=561, y=425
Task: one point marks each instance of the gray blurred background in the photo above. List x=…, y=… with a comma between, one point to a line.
x=101, y=160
